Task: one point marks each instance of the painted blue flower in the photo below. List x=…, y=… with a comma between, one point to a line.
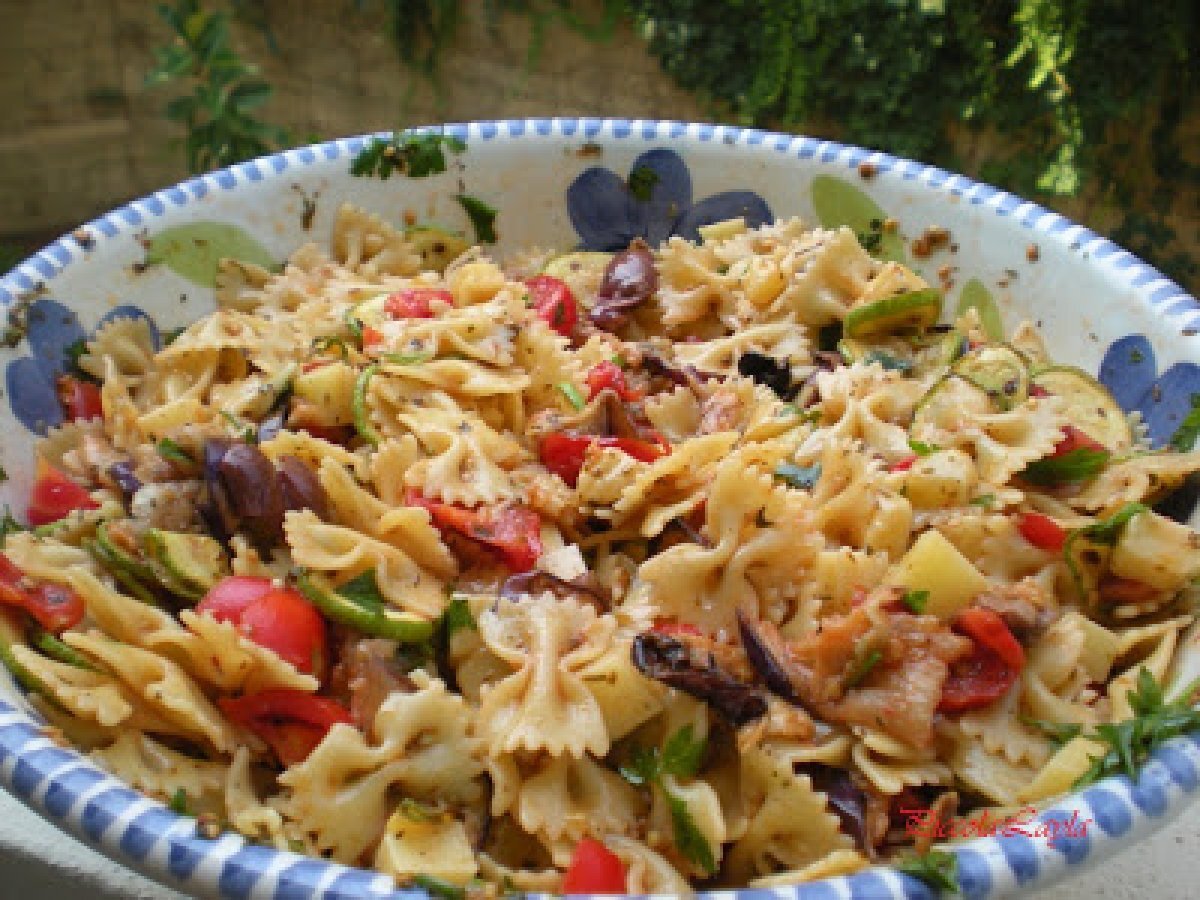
x=1130, y=371
x=654, y=203
x=31, y=380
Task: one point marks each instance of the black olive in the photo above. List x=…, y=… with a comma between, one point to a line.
x=301, y=489
x=765, y=370
x=629, y=280
x=669, y=660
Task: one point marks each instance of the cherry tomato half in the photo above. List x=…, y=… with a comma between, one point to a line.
x=554, y=303
x=279, y=619
x=54, y=496
x=594, y=869
x=512, y=531
x=903, y=464
x=563, y=454
x=990, y=670
x=1042, y=531
x=80, y=399
x=1074, y=439
x=608, y=374
x=291, y=722
x=53, y=606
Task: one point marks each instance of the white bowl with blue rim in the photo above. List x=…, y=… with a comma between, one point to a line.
x=560, y=183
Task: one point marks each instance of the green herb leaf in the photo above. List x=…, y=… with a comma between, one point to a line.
x=1058, y=732
x=415, y=810
x=457, y=616
x=172, y=452
x=922, y=449
x=9, y=525
x=801, y=477
x=439, y=887
x=416, y=155
x=482, y=216
x=407, y=359
x=1184, y=438
x=644, y=766
x=984, y=500
x=71, y=356
x=179, y=803
x=246, y=432
x=863, y=667
x=683, y=753
x=573, y=394
x=642, y=181
x=915, y=600
x=363, y=590
x=1075, y=465
x=1106, y=531
x=689, y=840
x=937, y=868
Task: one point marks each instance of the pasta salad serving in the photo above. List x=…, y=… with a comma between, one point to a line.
x=707, y=564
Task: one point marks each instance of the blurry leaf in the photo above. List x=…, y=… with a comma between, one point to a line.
x=975, y=296
x=837, y=202
x=194, y=250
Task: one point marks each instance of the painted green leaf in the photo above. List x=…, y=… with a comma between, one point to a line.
x=974, y=294
x=194, y=250
x=838, y=202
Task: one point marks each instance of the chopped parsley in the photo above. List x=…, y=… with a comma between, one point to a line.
x=915, y=600
x=416, y=155
x=482, y=216
x=363, y=591
x=172, y=452
x=1074, y=465
x=681, y=757
x=179, y=803
x=863, y=666
x=457, y=616
x=1106, y=531
x=1058, y=733
x=572, y=394
x=922, y=449
x=984, y=500
x=438, y=887
x=331, y=342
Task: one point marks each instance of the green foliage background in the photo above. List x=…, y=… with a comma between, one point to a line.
x=1046, y=98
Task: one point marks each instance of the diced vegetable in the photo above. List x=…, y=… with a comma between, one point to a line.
x=53, y=606
x=291, y=722
x=911, y=311
x=935, y=565
x=280, y=619
x=80, y=399
x=328, y=393
x=362, y=416
x=416, y=303
x=564, y=454
x=1089, y=405
x=594, y=869
x=608, y=374
x=940, y=480
x=513, y=531
x=1000, y=371
x=369, y=614
x=437, y=246
x=192, y=562
x=1042, y=531
x=992, y=668
x=554, y=303
x=55, y=496
x=1156, y=551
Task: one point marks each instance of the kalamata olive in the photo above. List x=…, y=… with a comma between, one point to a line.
x=122, y=475
x=669, y=660
x=301, y=489
x=767, y=654
x=217, y=512
x=629, y=280
x=254, y=493
x=847, y=800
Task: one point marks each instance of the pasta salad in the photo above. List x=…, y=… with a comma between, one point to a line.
x=687, y=566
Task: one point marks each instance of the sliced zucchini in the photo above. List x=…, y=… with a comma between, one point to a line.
x=186, y=564
x=120, y=550
x=910, y=311
x=582, y=271
x=51, y=646
x=1000, y=371
x=128, y=581
x=437, y=246
x=1090, y=407
x=378, y=621
x=362, y=416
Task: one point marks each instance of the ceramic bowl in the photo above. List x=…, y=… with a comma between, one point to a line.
x=557, y=183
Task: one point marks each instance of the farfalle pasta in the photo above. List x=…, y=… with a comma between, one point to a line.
x=692, y=565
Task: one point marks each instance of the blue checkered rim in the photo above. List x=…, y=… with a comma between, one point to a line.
x=91, y=804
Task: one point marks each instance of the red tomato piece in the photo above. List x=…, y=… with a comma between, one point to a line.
x=672, y=628
x=903, y=465
x=54, y=495
x=279, y=619
x=554, y=303
x=53, y=606
x=1042, y=531
x=563, y=454
x=512, y=531
x=291, y=722
x=80, y=399
x=1074, y=439
x=608, y=374
x=594, y=869
x=371, y=337
x=992, y=668
x=229, y=597
x=415, y=303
